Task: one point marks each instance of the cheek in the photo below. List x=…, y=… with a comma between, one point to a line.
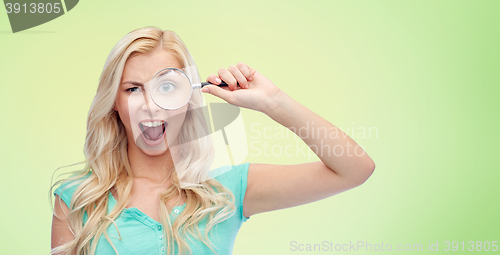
x=180, y=115
x=133, y=104
x=122, y=108
x=177, y=119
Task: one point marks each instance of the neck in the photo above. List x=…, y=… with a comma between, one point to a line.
x=154, y=168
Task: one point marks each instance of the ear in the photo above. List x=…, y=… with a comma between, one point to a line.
x=114, y=108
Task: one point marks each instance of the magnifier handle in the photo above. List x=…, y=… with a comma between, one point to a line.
x=222, y=84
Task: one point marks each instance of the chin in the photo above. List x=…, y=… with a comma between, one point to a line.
x=154, y=153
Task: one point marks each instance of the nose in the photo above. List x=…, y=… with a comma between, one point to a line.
x=148, y=104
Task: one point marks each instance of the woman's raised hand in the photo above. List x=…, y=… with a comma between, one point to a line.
x=246, y=87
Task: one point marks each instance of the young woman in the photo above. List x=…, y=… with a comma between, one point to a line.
x=130, y=197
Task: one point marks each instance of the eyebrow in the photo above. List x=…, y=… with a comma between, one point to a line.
x=133, y=83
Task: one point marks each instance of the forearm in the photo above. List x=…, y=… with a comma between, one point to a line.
x=336, y=149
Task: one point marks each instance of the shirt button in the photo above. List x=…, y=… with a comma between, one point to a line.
x=159, y=227
x=163, y=248
x=176, y=211
x=161, y=236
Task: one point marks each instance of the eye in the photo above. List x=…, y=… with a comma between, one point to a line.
x=166, y=87
x=133, y=89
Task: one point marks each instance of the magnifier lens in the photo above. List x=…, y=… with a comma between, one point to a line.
x=171, y=89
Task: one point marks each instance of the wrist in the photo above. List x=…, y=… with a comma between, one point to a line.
x=276, y=103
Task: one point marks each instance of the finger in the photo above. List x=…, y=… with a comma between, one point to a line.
x=246, y=70
x=242, y=80
x=211, y=78
x=226, y=76
x=217, y=91
x=214, y=79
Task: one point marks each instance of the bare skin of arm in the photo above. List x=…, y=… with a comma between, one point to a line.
x=272, y=187
x=61, y=233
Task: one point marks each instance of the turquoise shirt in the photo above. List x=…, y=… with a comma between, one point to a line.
x=140, y=234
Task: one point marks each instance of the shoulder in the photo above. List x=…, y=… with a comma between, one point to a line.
x=68, y=187
x=234, y=177
x=231, y=176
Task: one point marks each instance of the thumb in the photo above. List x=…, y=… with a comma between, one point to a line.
x=219, y=92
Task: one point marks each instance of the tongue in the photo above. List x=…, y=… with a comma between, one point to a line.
x=154, y=132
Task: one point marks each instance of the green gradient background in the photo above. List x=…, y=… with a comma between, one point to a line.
x=424, y=73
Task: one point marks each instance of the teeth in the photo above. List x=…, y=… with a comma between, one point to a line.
x=152, y=124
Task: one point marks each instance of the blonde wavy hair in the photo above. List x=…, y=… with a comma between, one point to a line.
x=108, y=168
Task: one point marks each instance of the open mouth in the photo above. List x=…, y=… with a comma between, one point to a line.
x=152, y=130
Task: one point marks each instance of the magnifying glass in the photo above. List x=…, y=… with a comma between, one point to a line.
x=171, y=88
